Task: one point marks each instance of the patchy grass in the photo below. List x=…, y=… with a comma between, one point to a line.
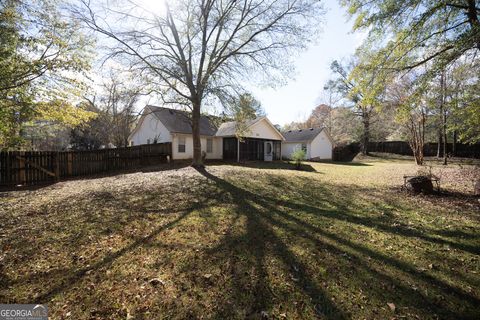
x=336, y=241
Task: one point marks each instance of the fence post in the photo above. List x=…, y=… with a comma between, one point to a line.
x=69, y=163
x=57, y=166
x=21, y=166
x=9, y=168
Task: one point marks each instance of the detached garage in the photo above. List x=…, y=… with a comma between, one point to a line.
x=316, y=142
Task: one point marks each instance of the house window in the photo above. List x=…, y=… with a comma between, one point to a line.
x=148, y=141
x=132, y=143
x=181, y=144
x=209, y=145
x=304, y=147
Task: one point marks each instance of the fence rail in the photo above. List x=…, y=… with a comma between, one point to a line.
x=38, y=167
x=429, y=150
x=349, y=151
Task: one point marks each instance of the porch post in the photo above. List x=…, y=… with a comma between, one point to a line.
x=238, y=150
x=280, y=156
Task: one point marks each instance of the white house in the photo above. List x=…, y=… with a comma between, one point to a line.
x=260, y=140
x=316, y=142
x=157, y=125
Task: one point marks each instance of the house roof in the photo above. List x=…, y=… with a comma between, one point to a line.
x=301, y=135
x=178, y=121
x=229, y=128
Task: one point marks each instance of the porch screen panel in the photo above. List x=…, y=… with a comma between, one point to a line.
x=252, y=149
x=230, y=149
x=277, y=150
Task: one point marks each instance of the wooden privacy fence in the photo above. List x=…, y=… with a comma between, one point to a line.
x=37, y=167
x=349, y=151
x=429, y=150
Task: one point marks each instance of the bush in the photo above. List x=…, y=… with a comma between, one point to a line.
x=298, y=156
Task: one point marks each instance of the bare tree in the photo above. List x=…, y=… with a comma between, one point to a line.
x=321, y=116
x=202, y=48
x=415, y=124
x=119, y=104
x=412, y=111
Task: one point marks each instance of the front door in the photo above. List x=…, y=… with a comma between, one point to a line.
x=268, y=151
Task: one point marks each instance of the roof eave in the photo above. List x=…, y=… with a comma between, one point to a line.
x=202, y=134
x=297, y=141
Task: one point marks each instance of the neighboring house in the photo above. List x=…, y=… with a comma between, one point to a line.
x=316, y=142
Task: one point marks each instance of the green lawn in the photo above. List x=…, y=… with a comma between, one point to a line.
x=336, y=241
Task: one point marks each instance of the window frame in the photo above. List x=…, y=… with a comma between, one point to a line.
x=180, y=144
x=303, y=146
x=209, y=145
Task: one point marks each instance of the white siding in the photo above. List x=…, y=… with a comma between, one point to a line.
x=188, y=154
x=321, y=147
x=289, y=148
x=263, y=130
x=151, y=128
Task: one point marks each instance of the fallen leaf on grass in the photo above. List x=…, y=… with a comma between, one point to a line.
x=391, y=305
x=156, y=281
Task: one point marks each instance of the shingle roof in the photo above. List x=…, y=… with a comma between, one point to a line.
x=179, y=121
x=301, y=135
x=228, y=129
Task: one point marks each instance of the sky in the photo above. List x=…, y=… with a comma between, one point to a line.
x=295, y=101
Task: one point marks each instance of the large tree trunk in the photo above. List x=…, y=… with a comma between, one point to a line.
x=454, y=143
x=439, y=143
x=445, y=138
x=366, y=133
x=417, y=138
x=197, y=145
x=444, y=116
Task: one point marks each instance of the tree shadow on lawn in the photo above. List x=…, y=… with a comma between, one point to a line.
x=276, y=165
x=312, y=197
x=382, y=277
x=174, y=165
x=264, y=267
x=345, y=163
x=253, y=246
x=64, y=231
x=57, y=281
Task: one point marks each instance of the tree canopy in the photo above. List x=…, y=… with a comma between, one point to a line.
x=41, y=53
x=430, y=39
x=412, y=33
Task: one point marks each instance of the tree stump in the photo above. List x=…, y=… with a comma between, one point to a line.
x=420, y=184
